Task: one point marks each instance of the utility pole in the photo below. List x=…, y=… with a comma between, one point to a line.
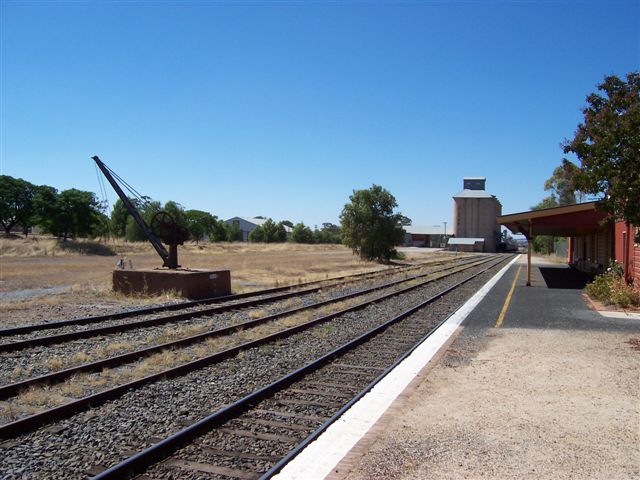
x=444, y=237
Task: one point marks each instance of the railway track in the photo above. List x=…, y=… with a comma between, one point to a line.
x=122, y=321
x=12, y=389
x=127, y=314
x=181, y=388
x=60, y=360
x=258, y=434
x=71, y=406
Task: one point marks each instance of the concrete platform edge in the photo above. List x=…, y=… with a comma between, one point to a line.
x=320, y=458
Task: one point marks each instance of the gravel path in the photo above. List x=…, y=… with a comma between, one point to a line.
x=108, y=433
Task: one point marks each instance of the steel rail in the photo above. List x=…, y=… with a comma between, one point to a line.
x=140, y=461
x=23, y=425
x=12, y=389
x=180, y=306
x=122, y=327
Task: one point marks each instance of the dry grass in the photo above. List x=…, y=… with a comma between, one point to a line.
x=86, y=279
x=113, y=348
x=32, y=264
x=80, y=357
x=18, y=372
x=40, y=396
x=55, y=363
x=253, y=314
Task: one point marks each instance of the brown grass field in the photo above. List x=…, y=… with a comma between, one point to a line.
x=79, y=273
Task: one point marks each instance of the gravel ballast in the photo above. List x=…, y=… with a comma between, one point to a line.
x=100, y=436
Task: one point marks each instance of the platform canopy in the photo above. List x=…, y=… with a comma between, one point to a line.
x=563, y=221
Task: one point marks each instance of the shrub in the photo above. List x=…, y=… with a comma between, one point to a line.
x=611, y=288
x=257, y=235
x=302, y=234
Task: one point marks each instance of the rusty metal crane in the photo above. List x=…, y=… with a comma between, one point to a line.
x=163, y=227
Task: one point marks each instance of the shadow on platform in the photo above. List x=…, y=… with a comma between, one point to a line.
x=564, y=277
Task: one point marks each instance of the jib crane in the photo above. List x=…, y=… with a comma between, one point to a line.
x=163, y=226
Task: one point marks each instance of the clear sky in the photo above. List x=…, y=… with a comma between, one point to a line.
x=282, y=109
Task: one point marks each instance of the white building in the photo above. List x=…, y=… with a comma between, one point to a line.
x=248, y=224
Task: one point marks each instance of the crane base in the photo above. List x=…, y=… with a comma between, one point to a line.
x=194, y=284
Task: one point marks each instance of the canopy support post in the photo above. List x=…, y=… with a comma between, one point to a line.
x=529, y=240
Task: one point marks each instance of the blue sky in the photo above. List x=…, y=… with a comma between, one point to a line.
x=282, y=109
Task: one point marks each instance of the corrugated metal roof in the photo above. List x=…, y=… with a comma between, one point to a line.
x=425, y=230
x=465, y=241
x=260, y=222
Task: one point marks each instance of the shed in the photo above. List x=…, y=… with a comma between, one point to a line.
x=425, y=236
x=466, y=244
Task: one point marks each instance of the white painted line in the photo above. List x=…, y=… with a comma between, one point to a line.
x=609, y=314
x=321, y=456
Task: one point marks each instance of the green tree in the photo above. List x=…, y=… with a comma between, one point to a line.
x=45, y=203
x=147, y=211
x=200, y=224
x=544, y=243
x=177, y=213
x=562, y=182
x=119, y=217
x=370, y=226
x=16, y=202
x=329, y=233
x=302, y=234
x=71, y=213
x=257, y=235
x=234, y=233
x=607, y=144
x=280, y=233
x=270, y=230
x=218, y=231
x=102, y=228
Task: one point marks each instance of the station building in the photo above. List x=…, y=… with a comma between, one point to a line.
x=594, y=238
x=475, y=213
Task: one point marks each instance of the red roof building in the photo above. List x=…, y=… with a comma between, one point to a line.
x=594, y=239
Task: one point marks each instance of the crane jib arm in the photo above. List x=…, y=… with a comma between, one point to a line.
x=157, y=244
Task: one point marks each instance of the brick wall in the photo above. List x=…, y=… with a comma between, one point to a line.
x=636, y=265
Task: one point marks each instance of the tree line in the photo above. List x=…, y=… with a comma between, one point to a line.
x=67, y=214
x=75, y=213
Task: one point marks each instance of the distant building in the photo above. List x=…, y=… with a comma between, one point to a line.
x=475, y=215
x=421, y=236
x=248, y=224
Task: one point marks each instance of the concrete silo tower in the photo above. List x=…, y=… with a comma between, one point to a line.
x=475, y=215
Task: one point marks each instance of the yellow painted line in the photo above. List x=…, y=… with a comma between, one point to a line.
x=508, y=299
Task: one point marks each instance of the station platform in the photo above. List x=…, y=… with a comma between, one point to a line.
x=527, y=382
